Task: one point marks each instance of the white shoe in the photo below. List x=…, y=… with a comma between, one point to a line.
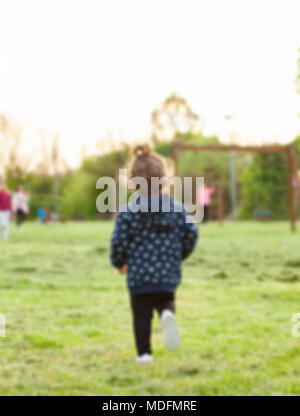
x=144, y=359
x=170, y=330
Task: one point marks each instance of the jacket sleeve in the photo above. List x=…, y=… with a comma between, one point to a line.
x=120, y=241
x=189, y=236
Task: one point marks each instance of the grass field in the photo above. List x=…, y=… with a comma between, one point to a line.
x=69, y=323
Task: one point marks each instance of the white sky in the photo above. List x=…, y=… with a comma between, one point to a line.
x=81, y=67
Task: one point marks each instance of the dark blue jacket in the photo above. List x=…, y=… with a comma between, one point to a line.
x=153, y=245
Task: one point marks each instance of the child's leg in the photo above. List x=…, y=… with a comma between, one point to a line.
x=17, y=218
x=165, y=300
x=6, y=225
x=165, y=305
x=20, y=217
x=142, y=310
x=2, y=223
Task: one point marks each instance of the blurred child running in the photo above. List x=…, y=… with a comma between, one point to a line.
x=149, y=247
x=5, y=211
x=205, y=200
x=20, y=205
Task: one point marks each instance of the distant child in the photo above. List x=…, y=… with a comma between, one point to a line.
x=5, y=211
x=149, y=247
x=205, y=200
x=20, y=205
x=42, y=215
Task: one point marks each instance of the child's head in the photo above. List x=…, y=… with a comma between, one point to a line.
x=147, y=164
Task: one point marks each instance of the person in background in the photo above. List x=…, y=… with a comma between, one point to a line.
x=41, y=213
x=20, y=205
x=205, y=199
x=5, y=211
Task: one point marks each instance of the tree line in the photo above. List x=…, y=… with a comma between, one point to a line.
x=261, y=178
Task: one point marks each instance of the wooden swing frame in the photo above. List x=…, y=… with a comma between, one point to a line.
x=288, y=149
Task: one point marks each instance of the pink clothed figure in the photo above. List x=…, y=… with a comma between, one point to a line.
x=204, y=197
x=207, y=193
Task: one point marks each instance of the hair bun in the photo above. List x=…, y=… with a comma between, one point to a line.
x=142, y=150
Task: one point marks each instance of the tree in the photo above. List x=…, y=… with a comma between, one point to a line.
x=173, y=116
x=13, y=157
x=78, y=196
x=78, y=189
x=108, y=163
x=297, y=145
x=297, y=139
x=51, y=160
x=265, y=186
x=298, y=75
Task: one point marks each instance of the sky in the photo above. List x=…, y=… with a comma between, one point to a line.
x=94, y=70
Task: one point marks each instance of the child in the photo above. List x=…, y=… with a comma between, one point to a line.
x=20, y=205
x=42, y=215
x=5, y=210
x=207, y=193
x=149, y=247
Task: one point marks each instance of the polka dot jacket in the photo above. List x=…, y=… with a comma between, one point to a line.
x=153, y=245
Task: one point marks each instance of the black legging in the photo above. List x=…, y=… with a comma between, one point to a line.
x=20, y=217
x=142, y=308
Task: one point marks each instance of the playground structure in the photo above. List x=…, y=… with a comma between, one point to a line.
x=288, y=149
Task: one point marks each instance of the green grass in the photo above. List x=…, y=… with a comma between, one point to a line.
x=69, y=323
